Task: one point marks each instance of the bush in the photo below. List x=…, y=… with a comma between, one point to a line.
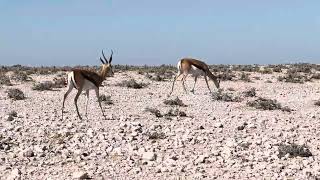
x=226, y=76
x=286, y=109
x=246, y=68
x=43, y=86
x=15, y=94
x=156, y=77
x=5, y=80
x=315, y=76
x=106, y=99
x=277, y=69
x=20, y=76
x=265, y=104
x=13, y=114
x=156, y=135
x=294, y=150
x=250, y=93
x=302, y=67
x=227, y=97
x=245, y=77
x=266, y=71
x=154, y=111
x=131, y=84
x=174, y=102
x=176, y=112
x=59, y=82
x=293, y=77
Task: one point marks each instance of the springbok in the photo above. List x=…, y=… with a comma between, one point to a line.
x=195, y=68
x=85, y=80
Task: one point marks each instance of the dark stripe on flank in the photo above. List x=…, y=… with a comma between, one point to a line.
x=197, y=65
x=90, y=79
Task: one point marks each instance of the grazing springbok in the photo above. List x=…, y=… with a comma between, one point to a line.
x=195, y=68
x=85, y=80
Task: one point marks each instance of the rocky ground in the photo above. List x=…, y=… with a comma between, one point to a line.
x=216, y=139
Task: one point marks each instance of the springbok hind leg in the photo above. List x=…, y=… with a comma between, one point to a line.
x=87, y=93
x=99, y=101
x=195, y=81
x=76, y=104
x=64, y=99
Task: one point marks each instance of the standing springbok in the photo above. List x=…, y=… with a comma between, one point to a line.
x=85, y=80
x=195, y=68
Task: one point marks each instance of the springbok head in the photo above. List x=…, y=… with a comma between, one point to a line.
x=106, y=67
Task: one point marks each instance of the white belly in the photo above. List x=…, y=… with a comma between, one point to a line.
x=88, y=85
x=194, y=71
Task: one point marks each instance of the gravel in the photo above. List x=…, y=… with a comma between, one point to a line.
x=216, y=140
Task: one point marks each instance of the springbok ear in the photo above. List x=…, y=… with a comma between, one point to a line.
x=102, y=61
x=110, y=59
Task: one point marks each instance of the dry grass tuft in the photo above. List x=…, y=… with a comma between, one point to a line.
x=5, y=80
x=317, y=103
x=176, y=112
x=15, y=94
x=154, y=111
x=43, y=86
x=293, y=77
x=106, y=99
x=245, y=77
x=174, y=102
x=250, y=93
x=131, y=84
x=20, y=76
x=267, y=104
x=294, y=150
x=227, y=97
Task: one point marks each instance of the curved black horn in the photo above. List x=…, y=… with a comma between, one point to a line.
x=104, y=57
x=102, y=61
x=110, y=59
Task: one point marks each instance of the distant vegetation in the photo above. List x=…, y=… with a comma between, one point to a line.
x=163, y=69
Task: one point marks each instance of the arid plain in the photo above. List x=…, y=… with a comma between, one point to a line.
x=264, y=123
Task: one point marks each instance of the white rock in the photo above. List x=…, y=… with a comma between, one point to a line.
x=149, y=156
x=9, y=118
x=218, y=125
x=80, y=175
x=14, y=175
x=200, y=159
x=28, y=153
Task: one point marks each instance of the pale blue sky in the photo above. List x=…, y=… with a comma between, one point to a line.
x=72, y=32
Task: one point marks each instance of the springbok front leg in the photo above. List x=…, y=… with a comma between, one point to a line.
x=99, y=101
x=195, y=81
x=183, y=82
x=87, y=93
x=76, y=102
x=205, y=78
x=174, y=80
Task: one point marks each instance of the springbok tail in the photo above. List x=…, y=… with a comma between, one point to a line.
x=71, y=80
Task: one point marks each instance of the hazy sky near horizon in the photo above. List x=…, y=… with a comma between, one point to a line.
x=73, y=32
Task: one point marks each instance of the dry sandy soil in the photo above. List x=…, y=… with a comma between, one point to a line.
x=217, y=139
